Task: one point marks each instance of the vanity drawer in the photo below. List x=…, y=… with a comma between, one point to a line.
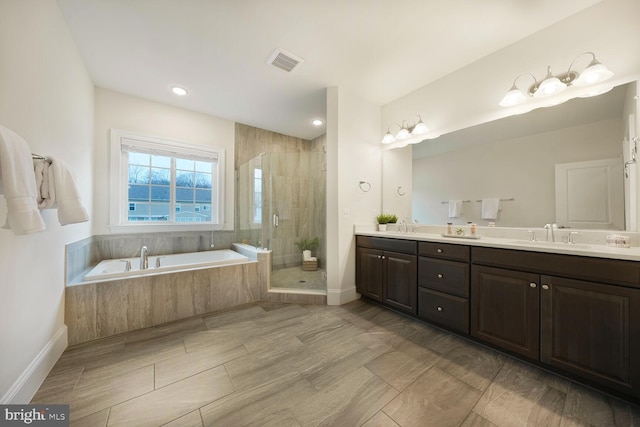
x=446, y=276
x=445, y=251
x=387, y=244
x=446, y=310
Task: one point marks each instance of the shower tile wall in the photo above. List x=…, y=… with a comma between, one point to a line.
x=298, y=192
x=302, y=211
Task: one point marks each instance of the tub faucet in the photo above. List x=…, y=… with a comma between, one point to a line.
x=144, y=258
x=127, y=264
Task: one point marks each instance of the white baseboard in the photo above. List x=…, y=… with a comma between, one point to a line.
x=27, y=384
x=341, y=296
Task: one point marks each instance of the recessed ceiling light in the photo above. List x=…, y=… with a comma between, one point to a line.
x=179, y=90
x=317, y=122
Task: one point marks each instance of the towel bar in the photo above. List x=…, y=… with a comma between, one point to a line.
x=502, y=200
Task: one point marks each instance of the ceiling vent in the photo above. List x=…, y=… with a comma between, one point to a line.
x=285, y=61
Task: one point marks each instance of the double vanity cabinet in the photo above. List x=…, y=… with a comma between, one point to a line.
x=576, y=315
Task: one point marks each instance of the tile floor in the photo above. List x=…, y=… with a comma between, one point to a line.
x=274, y=364
x=297, y=278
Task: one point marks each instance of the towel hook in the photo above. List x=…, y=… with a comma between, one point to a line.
x=401, y=193
x=363, y=185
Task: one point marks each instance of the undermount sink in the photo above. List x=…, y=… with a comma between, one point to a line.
x=550, y=244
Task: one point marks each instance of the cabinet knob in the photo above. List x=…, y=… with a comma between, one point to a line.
x=439, y=250
x=383, y=257
x=379, y=257
x=439, y=308
x=545, y=287
x=440, y=276
x=533, y=285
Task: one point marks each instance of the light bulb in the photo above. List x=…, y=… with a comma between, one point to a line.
x=594, y=73
x=513, y=97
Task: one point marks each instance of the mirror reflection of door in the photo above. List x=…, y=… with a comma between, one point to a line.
x=589, y=194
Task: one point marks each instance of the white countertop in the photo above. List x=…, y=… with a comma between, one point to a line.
x=581, y=249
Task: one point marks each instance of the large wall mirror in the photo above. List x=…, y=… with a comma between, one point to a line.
x=568, y=158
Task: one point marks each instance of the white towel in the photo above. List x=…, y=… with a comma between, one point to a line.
x=41, y=170
x=19, y=184
x=490, y=208
x=63, y=194
x=455, y=207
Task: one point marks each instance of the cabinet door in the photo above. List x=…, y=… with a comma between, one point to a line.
x=401, y=281
x=505, y=309
x=591, y=329
x=369, y=273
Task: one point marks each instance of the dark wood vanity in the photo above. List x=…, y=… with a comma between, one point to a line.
x=575, y=315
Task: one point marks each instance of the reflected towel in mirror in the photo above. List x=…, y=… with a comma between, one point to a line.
x=455, y=208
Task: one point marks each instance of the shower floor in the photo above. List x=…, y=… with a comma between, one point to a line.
x=296, y=278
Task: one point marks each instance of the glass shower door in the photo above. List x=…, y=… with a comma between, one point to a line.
x=294, y=203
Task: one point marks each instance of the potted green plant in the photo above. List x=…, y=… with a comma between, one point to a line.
x=384, y=219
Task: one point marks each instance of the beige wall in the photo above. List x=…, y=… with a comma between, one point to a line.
x=115, y=110
x=46, y=96
x=521, y=168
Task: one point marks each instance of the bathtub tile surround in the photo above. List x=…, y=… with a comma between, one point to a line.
x=268, y=363
x=103, y=309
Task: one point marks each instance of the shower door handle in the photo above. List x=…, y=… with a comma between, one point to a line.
x=275, y=220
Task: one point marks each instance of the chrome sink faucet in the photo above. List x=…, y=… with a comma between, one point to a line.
x=144, y=258
x=551, y=231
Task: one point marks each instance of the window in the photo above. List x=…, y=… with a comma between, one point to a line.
x=257, y=195
x=159, y=182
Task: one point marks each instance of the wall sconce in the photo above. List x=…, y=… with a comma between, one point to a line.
x=595, y=72
x=405, y=131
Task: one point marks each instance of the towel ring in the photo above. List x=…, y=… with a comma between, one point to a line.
x=363, y=185
x=401, y=193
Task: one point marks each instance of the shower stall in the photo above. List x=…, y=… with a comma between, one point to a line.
x=281, y=200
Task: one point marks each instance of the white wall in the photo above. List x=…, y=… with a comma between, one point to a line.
x=470, y=95
x=353, y=154
x=46, y=96
x=522, y=168
x=118, y=111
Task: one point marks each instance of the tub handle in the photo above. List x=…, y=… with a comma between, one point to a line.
x=127, y=266
x=275, y=220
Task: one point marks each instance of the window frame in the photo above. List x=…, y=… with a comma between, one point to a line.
x=119, y=177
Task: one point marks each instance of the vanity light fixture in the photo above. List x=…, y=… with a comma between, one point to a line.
x=180, y=91
x=405, y=132
x=551, y=85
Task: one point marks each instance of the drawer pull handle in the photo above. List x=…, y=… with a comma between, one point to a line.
x=533, y=285
x=440, y=276
x=545, y=287
x=439, y=250
x=439, y=308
